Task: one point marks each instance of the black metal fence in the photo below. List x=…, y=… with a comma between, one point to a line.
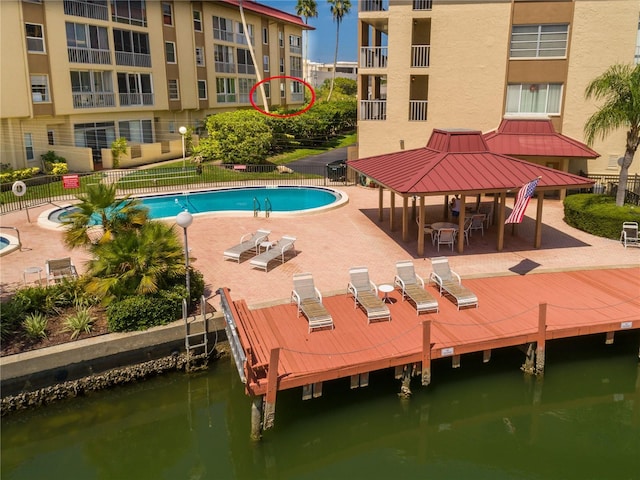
x=608, y=185
x=63, y=188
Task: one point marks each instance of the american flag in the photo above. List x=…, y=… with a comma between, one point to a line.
x=522, y=200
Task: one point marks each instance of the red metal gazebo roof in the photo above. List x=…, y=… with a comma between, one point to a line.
x=534, y=137
x=253, y=6
x=458, y=161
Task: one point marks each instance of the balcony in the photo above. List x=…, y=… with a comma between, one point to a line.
x=373, y=5
x=420, y=55
x=226, y=97
x=89, y=55
x=373, y=109
x=225, y=67
x=295, y=49
x=373, y=57
x=422, y=4
x=243, y=68
x=131, y=59
x=295, y=73
x=297, y=97
x=418, y=110
x=80, y=8
x=94, y=100
x=131, y=99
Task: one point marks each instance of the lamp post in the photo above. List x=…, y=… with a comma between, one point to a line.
x=183, y=132
x=184, y=220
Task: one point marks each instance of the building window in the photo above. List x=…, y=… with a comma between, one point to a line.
x=265, y=63
x=244, y=87
x=167, y=14
x=223, y=29
x=35, y=37
x=197, y=21
x=283, y=92
x=223, y=57
x=174, y=91
x=40, y=89
x=51, y=140
x=132, y=48
x=535, y=98
x=136, y=131
x=267, y=89
x=295, y=44
x=200, y=56
x=170, y=52
x=245, y=64
x=539, y=41
x=133, y=12
x=296, y=67
x=135, y=89
x=87, y=43
x=202, y=89
x=92, y=89
x=265, y=35
x=28, y=147
x=281, y=39
x=240, y=36
x=225, y=90
x=282, y=65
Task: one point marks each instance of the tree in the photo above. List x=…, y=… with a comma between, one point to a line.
x=619, y=87
x=136, y=262
x=347, y=86
x=307, y=9
x=339, y=8
x=100, y=206
x=118, y=148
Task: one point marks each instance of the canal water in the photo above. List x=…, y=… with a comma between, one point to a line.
x=480, y=421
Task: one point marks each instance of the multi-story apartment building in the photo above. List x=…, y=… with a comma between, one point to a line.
x=462, y=64
x=316, y=73
x=77, y=74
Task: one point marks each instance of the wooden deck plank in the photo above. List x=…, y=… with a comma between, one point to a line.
x=578, y=303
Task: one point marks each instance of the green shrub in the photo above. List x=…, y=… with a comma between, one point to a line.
x=12, y=314
x=14, y=175
x=35, y=326
x=142, y=312
x=79, y=322
x=598, y=214
x=59, y=169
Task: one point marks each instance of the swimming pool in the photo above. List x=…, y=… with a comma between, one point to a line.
x=276, y=200
x=8, y=244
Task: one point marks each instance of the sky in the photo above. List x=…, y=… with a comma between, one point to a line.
x=322, y=40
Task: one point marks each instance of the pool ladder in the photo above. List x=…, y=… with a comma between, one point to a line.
x=196, y=339
x=267, y=207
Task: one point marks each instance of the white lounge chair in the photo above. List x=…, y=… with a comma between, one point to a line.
x=276, y=250
x=59, y=269
x=309, y=301
x=412, y=287
x=249, y=242
x=449, y=282
x=365, y=294
x=629, y=234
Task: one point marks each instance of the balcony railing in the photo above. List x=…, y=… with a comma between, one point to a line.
x=418, y=110
x=242, y=40
x=133, y=59
x=295, y=49
x=297, y=97
x=373, y=57
x=225, y=67
x=226, y=97
x=130, y=99
x=296, y=73
x=223, y=35
x=422, y=4
x=373, y=109
x=89, y=55
x=420, y=55
x=242, y=68
x=373, y=5
x=81, y=8
x=94, y=99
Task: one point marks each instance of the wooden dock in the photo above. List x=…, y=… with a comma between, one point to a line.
x=274, y=350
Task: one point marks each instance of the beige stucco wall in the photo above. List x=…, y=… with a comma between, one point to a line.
x=15, y=97
x=603, y=33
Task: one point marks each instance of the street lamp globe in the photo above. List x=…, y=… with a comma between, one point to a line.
x=184, y=219
x=182, y=130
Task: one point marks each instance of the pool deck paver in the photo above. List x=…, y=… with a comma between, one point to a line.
x=331, y=242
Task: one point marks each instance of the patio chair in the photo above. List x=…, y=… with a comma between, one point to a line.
x=477, y=222
x=58, y=269
x=428, y=231
x=248, y=242
x=449, y=282
x=466, y=229
x=446, y=236
x=487, y=209
x=629, y=234
x=412, y=287
x=275, y=251
x=309, y=301
x=365, y=294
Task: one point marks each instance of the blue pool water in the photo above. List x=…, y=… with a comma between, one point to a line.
x=4, y=242
x=279, y=199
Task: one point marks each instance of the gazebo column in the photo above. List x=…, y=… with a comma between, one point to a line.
x=405, y=218
x=538, y=232
x=461, y=217
x=445, y=209
x=380, y=202
x=421, y=227
x=501, y=218
x=392, y=210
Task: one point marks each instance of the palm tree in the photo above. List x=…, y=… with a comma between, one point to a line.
x=256, y=67
x=307, y=9
x=339, y=8
x=136, y=262
x=100, y=206
x=619, y=87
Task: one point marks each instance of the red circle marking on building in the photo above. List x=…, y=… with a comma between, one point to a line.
x=268, y=79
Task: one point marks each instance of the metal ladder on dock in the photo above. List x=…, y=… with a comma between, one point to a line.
x=196, y=339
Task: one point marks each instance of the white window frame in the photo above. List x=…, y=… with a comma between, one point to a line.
x=244, y=87
x=206, y=92
x=51, y=137
x=167, y=15
x=28, y=147
x=225, y=34
x=265, y=35
x=528, y=89
x=175, y=89
x=197, y=21
x=35, y=38
x=166, y=52
x=282, y=65
x=265, y=63
x=281, y=38
x=283, y=90
x=228, y=90
x=200, y=57
x=535, y=41
x=267, y=89
x=43, y=89
x=141, y=130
